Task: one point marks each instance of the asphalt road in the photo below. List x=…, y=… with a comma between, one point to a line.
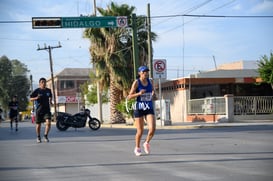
x=242, y=153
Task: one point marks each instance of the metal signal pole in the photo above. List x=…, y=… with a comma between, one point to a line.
x=150, y=55
x=99, y=97
x=135, y=45
x=49, y=48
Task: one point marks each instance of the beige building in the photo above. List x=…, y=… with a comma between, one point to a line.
x=237, y=78
x=67, y=88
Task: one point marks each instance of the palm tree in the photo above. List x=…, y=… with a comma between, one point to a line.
x=111, y=52
x=266, y=69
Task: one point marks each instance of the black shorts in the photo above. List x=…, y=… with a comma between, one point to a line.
x=13, y=115
x=141, y=113
x=40, y=118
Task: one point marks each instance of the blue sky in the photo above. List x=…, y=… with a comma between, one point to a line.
x=187, y=49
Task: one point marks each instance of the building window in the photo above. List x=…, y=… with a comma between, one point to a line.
x=67, y=84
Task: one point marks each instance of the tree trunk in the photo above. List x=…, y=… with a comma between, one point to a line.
x=115, y=98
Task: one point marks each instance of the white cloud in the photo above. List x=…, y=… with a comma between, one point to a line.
x=237, y=7
x=263, y=6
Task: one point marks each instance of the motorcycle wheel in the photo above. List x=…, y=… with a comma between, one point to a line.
x=94, y=124
x=60, y=124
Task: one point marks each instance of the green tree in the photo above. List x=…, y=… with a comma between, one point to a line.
x=111, y=52
x=266, y=68
x=13, y=81
x=5, y=74
x=89, y=89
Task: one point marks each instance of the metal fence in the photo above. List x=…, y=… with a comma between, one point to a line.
x=243, y=105
x=210, y=105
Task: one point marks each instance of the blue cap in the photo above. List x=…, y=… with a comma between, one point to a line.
x=143, y=68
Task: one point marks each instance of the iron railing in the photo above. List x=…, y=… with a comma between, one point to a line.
x=243, y=105
x=253, y=105
x=209, y=105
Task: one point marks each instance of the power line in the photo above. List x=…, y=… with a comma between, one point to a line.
x=223, y=5
x=189, y=10
x=220, y=16
x=11, y=21
x=210, y=16
x=169, y=16
x=197, y=6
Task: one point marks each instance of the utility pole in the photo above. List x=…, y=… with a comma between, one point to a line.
x=94, y=8
x=150, y=55
x=97, y=75
x=31, y=83
x=214, y=62
x=31, y=89
x=135, y=45
x=49, y=48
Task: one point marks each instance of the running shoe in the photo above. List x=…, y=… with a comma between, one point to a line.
x=146, y=147
x=39, y=139
x=137, y=151
x=46, y=138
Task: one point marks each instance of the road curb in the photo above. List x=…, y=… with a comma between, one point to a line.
x=193, y=126
x=161, y=127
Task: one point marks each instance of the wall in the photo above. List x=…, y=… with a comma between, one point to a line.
x=178, y=100
x=105, y=112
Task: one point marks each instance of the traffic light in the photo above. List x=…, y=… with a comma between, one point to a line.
x=44, y=23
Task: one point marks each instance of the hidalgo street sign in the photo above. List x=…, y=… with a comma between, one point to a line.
x=94, y=22
x=79, y=22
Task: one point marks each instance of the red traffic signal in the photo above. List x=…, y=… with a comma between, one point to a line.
x=43, y=23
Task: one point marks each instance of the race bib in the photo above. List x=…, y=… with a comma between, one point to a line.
x=146, y=97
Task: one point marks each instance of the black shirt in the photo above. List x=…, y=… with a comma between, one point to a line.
x=43, y=103
x=13, y=108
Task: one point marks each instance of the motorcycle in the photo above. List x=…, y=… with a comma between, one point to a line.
x=78, y=120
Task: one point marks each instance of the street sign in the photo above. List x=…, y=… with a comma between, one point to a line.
x=159, y=70
x=79, y=22
x=94, y=22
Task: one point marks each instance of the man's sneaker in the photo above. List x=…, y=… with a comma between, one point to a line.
x=39, y=139
x=16, y=129
x=137, y=151
x=146, y=147
x=46, y=138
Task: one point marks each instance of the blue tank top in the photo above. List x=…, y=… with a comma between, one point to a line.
x=144, y=102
